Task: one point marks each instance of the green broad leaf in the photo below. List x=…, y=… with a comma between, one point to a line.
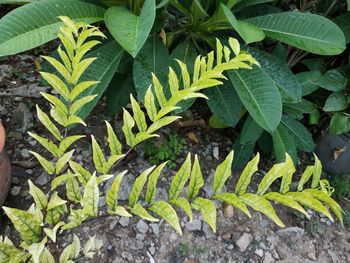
x=112, y=160
x=283, y=142
x=139, y=116
x=103, y=178
x=340, y=123
x=246, y=3
x=277, y=171
x=153, y=58
x=301, y=135
x=244, y=179
x=161, y=123
x=251, y=131
x=335, y=102
x=98, y=156
x=250, y=32
x=55, y=101
x=310, y=32
x=307, y=81
x=36, y=249
x=38, y=196
x=208, y=210
x=55, y=201
x=114, y=144
x=9, y=253
x=90, y=197
x=47, y=144
x=316, y=176
x=281, y=74
x=73, y=190
x=184, y=204
x=216, y=123
x=112, y=193
x=197, y=11
x=80, y=68
x=59, y=116
x=180, y=179
x=45, y=120
x=196, y=181
x=82, y=174
x=308, y=200
x=166, y=110
x=159, y=91
x=222, y=173
x=119, y=89
x=52, y=233
x=167, y=212
x=332, y=80
x=305, y=177
x=323, y=197
x=108, y=57
x=55, y=81
x=187, y=53
x=25, y=223
x=16, y=38
x=259, y=95
x=150, y=104
x=61, y=179
x=138, y=186
x=76, y=219
x=63, y=161
x=286, y=201
x=289, y=170
x=67, y=142
x=142, y=136
x=233, y=200
x=129, y=30
x=243, y=153
x=343, y=22
x=141, y=212
x=71, y=252
x=46, y=257
x=120, y=211
x=224, y=103
x=260, y=204
x=152, y=183
x=48, y=166
x=80, y=103
x=129, y=123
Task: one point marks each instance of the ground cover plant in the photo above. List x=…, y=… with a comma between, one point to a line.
x=74, y=194
x=288, y=38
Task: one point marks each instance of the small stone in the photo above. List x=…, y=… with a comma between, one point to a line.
x=43, y=179
x=294, y=231
x=312, y=255
x=195, y=225
x=142, y=227
x=173, y=237
x=244, y=241
x=15, y=190
x=25, y=153
x=216, y=152
x=155, y=228
x=152, y=250
x=124, y=221
x=230, y=247
x=140, y=236
x=227, y=236
x=29, y=171
x=208, y=231
x=268, y=258
x=259, y=252
x=228, y=211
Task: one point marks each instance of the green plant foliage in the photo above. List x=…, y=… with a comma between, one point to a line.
x=169, y=150
x=50, y=213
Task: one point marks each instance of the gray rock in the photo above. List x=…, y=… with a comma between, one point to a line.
x=23, y=117
x=244, y=241
x=195, y=225
x=142, y=226
x=152, y=250
x=140, y=236
x=25, y=153
x=268, y=258
x=124, y=221
x=295, y=232
x=209, y=185
x=155, y=228
x=125, y=186
x=259, y=252
x=15, y=190
x=43, y=179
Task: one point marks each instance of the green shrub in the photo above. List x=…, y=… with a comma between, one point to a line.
x=38, y=226
x=146, y=36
